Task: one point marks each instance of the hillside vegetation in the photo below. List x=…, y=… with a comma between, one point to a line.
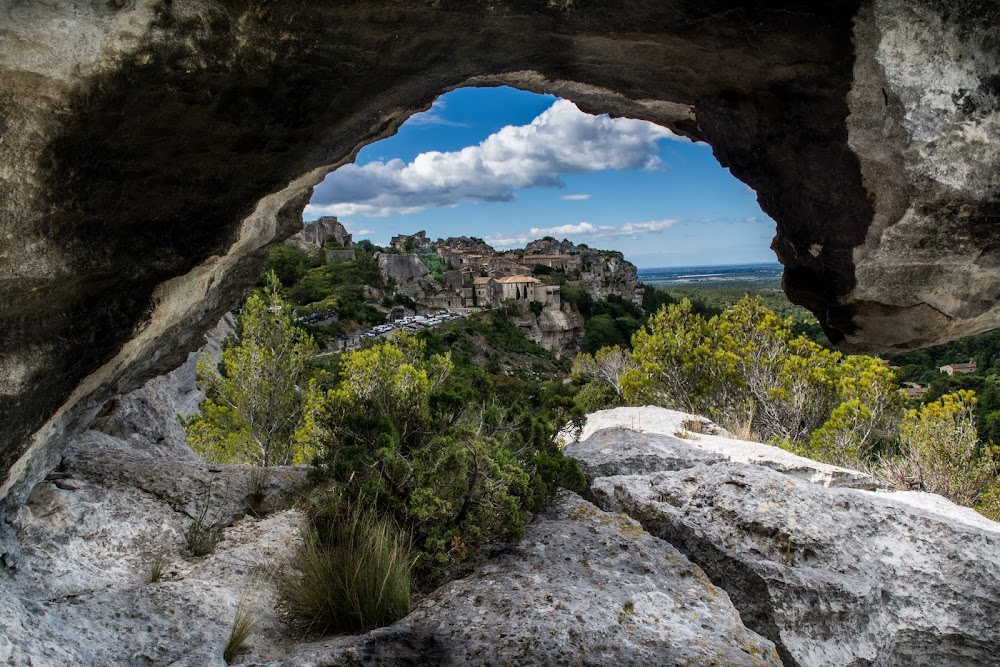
x=425, y=448
x=748, y=370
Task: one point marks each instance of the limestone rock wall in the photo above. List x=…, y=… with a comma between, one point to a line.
x=558, y=330
x=408, y=272
x=152, y=151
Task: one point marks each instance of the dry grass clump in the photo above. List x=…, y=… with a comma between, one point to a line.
x=158, y=568
x=256, y=490
x=245, y=621
x=352, y=573
x=202, y=535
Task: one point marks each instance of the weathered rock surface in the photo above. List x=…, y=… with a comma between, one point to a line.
x=834, y=576
x=80, y=592
x=149, y=415
x=558, y=330
x=152, y=151
x=409, y=273
x=610, y=274
x=317, y=232
x=583, y=587
x=680, y=431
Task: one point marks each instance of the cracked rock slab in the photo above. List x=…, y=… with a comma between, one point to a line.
x=706, y=439
x=583, y=587
x=834, y=576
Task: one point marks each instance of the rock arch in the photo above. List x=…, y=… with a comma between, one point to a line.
x=152, y=150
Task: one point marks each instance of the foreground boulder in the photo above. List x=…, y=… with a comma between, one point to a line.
x=583, y=587
x=834, y=576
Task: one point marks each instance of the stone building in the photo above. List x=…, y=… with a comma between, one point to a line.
x=487, y=292
x=520, y=288
x=951, y=369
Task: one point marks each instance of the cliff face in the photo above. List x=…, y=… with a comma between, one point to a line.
x=558, y=330
x=407, y=271
x=319, y=231
x=610, y=274
x=150, y=159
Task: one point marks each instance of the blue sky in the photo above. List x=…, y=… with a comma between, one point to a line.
x=511, y=166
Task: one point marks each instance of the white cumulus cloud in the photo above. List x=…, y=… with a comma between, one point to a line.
x=582, y=230
x=575, y=197
x=561, y=140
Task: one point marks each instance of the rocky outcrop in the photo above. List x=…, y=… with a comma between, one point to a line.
x=583, y=587
x=409, y=274
x=466, y=244
x=317, y=232
x=149, y=161
x=700, y=553
x=77, y=588
x=664, y=430
x=410, y=242
x=549, y=246
x=555, y=329
x=609, y=274
x=834, y=576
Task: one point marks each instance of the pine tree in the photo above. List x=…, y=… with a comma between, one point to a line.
x=254, y=406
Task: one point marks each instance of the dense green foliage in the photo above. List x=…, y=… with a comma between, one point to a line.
x=317, y=284
x=940, y=452
x=711, y=298
x=254, y=400
x=611, y=322
x=748, y=371
x=453, y=453
x=923, y=367
x=453, y=458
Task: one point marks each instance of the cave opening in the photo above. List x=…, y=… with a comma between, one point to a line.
x=512, y=166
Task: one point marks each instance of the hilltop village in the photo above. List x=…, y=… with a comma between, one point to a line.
x=461, y=274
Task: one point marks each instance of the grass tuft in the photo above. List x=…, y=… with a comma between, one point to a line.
x=351, y=574
x=257, y=482
x=245, y=622
x=158, y=568
x=202, y=535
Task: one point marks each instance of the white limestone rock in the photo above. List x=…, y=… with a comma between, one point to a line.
x=583, y=587
x=709, y=437
x=834, y=576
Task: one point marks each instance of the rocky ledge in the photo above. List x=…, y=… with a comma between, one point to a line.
x=582, y=587
x=833, y=576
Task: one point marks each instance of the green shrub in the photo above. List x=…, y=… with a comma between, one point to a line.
x=596, y=395
x=254, y=398
x=457, y=460
x=351, y=574
x=941, y=453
